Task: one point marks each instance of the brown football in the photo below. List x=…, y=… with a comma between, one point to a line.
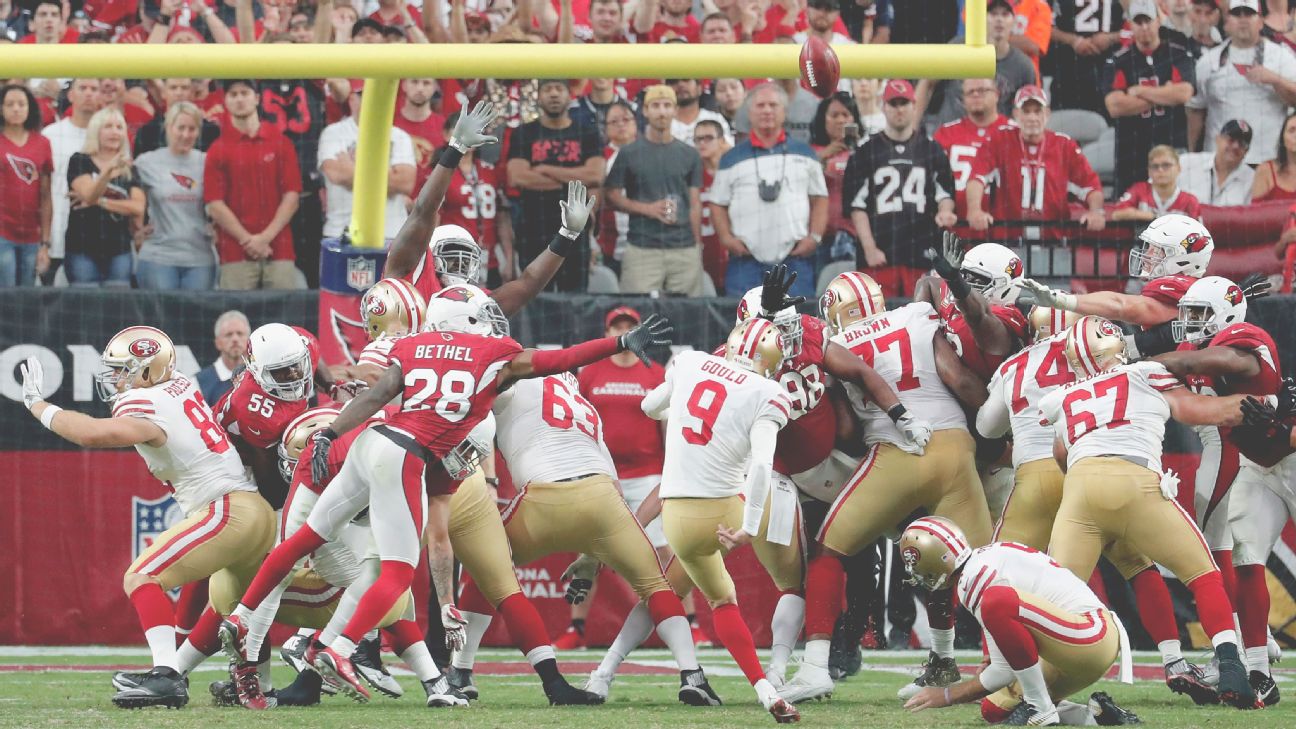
x=820, y=69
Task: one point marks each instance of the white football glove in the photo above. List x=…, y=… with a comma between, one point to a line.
x=580, y=578
x=916, y=431
x=33, y=381
x=1169, y=485
x=470, y=131
x=456, y=627
x=1052, y=298
x=576, y=209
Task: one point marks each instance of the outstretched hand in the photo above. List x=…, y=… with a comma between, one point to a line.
x=655, y=331
x=774, y=293
x=576, y=209
x=470, y=131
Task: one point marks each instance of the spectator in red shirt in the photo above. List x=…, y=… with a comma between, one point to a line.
x=47, y=25
x=1149, y=199
x=24, y=187
x=1033, y=170
x=473, y=202
x=251, y=183
x=718, y=28
x=607, y=21
x=425, y=127
x=661, y=20
x=963, y=137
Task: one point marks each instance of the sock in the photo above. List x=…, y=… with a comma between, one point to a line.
x=1224, y=637
x=816, y=653
x=188, y=657
x=578, y=625
x=825, y=580
x=1253, y=605
x=1257, y=659
x=666, y=611
x=258, y=621
x=350, y=600
x=1171, y=651
x=634, y=631
x=307, y=632
x=263, y=676
x=189, y=608
x=204, y=638
x=394, y=578
x=737, y=639
x=419, y=659
x=1213, y=606
x=403, y=633
x=156, y=615
x=525, y=626
x=1031, y=678
x=279, y=564
x=466, y=657
x=1224, y=560
x=343, y=646
x=940, y=618
x=545, y=664
x=785, y=628
x=1000, y=605
x=1156, y=612
x=1073, y=714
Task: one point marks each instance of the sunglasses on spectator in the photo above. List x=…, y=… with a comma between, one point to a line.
x=704, y=138
x=1161, y=165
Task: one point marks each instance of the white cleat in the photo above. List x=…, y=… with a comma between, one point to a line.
x=599, y=684
x=1275, y=650
x=810, y=682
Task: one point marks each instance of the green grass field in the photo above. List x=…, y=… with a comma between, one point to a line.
x=44, y=689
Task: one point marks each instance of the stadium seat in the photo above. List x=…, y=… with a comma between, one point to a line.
x=603, y=281
x=1102, y=156
x=830, y=272
x=1082, y=125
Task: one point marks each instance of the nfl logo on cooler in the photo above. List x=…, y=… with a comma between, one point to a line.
x=152, y=517
x=346, y=273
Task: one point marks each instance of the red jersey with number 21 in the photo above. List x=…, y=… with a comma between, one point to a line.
x=449, y=384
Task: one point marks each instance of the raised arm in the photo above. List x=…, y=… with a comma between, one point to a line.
x=1211, y=361
x=989, y=332
x=79, y=428
x=965, y=385
x=1140, y=310
x=653, y=332
x=576, y=210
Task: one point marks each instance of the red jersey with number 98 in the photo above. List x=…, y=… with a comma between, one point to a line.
x=449, y=384
x=807, y=440
x=1120, y=412
x=258, y=418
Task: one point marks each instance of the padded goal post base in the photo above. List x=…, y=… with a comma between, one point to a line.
x=346, y=272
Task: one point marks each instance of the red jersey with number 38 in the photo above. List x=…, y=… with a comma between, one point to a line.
x=449, y=384
x=960, y=336
x=471, y=204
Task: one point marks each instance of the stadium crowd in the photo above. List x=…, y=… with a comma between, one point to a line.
x=195, y=183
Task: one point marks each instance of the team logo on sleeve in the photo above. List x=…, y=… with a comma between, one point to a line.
x=1233, y=295
x=144, y=347
x=1194, y=242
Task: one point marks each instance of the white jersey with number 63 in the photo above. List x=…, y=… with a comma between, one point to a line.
x=548, y=432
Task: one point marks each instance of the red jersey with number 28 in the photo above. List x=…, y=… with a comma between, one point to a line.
x=960, y=336
x=258, y=418
x=449, y=384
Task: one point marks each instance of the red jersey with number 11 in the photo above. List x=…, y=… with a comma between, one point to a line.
x=1033, y=181
x=961, y=139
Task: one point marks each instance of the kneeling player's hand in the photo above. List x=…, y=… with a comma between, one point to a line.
x=732, y=539
x=928, y=698
x=456, y=627
x=321, y=442
x=579, y=576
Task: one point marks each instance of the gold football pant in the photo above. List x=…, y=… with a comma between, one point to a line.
x=690, y=526
x=587, y=515
x=234, y=533
x=309, y=601
x=1107, y=500
x=479, y=541
x=891, y=484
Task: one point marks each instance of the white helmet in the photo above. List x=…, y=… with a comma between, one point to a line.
x=463, y=459
x=457, y=257
x=995, y=271
x=466, y=308
x=787, y=320
x=1173, y=244
x=279, y=359
x=1208, y=306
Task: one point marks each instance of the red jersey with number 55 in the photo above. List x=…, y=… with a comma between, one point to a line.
x=961, y=139
x=197, y=462
x=1033, y=181
x=259, y=419
x=1120, y=412
x=960, y=336
x=449, y=384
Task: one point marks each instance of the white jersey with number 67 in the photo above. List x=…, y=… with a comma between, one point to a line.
x=712, y=406
x=548, y=432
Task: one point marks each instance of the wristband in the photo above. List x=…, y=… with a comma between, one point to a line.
x=166, y=19
x=451, y=155
x=958, y=287
x=896, y=412
x=492, y=481
x=561, y=245
x=47, y=416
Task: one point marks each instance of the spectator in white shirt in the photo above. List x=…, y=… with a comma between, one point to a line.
x=689, y=111
x=1249, y=72
x=67, y=136
x=232, y=332
x=1220, y=177
x=337, y=148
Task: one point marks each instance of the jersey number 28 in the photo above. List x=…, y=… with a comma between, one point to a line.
x=450, y=393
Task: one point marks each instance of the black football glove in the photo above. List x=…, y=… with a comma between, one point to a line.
x=1286, y=398
x=1260, y=414
x=774, y=292
x=1255, y=286
x=322, y=441
x=653, y=332
x=947, y=261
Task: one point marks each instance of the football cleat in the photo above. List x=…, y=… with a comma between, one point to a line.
x=601, y=685
x=440, y=694
x=160, y=687
x=303, y=691
x=937, y=672
x=293, y=652
x=461, y=680
x=1266, y=690
x=569, y=641
x=1275, y=650
x=223, y=693
x=844, y=654
x=1186, y=678
x=367, y=660
x=694, y=689
x=233, y=638
x=783, y=712
x=1234, y=686
x=701, y=640
x=776, y=678
x=1107, y=713
x=1027, y=715
x=248, y=687
x=810, y=682
x=335, y=666
x=561, y=693
x=123, y=680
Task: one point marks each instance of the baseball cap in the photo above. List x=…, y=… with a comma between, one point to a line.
x=1144, y=7
x=364, y=23
x=1236, y=5
x=1239, y=130
x=824, y=4
x=1030, y=92
x=992, y=4
x=621, y=312
x=229, y=83
x=658, y=91
x=897, y=88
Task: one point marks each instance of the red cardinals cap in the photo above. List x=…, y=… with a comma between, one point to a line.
x=898, y=88
x=1030, y=92
x=621, y=312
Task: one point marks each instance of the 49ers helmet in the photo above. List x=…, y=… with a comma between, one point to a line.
x=787, y=320
x=852, y=297
x=932, y=548
x=464, y=459
x=392, y=307
x=1094, y=345
x=136, y=357
x=298, y=434
x=467, y=309
x=279, y=359
x=1045, y=321
x=456, y=256
x=1173, y=244
x=995, y=271
x=1209, y=305
x=756, y=345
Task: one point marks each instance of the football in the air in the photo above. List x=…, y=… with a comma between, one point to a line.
x=820, y=69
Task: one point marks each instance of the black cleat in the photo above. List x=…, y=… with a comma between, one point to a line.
x=1266, y=690
x=303, y=691
x=937, y=672
x=123, y=680
x=367, y=660
x=1185, y=678
x=844, y=655
x=1234, y=687
x=440, y=694
x=160, y=687
x=461, y=680
x=223, y=693
x=695, y=691
x=1027, y=715
x=293, y=652
x=561, y=693
x=1107, y=713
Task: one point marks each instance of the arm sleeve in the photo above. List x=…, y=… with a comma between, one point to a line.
x=1201, y=73
x=764, y=435
x=1114, y=77
x=942, y=179
x=816, y=185
x=992, y=420
x=722, y=186
x=402, y=152
x=616, y=175
x=656, y=403
x=1185, y=69
x=290, y=177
